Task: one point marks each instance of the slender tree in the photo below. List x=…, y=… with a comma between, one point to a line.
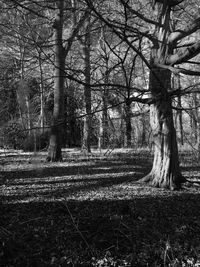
x=60, y=53
x=87, y=122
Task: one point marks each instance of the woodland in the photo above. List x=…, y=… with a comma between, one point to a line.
x=99, y=133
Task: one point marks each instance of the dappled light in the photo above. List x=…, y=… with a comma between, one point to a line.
x=99, y=133
x=92, y=209
x=82, y=179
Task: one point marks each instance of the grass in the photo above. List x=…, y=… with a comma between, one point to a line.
x=89, y=211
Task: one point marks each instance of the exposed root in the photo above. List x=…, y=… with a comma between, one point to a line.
x=171, y=183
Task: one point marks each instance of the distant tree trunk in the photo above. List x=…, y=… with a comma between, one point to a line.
x=100, y=132
x=86, y=141
x=105, y=117
x=105, y=138
x=55, y=142
x=197, y=122
x=41, y=95
x=103, y=122
x=179, y=114
x=165, y=172
x=121, y=127
x=180, y=120
x=71, y=115
x=28, y=114
x=143, y=141
x=128, y=123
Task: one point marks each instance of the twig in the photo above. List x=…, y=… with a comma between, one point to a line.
x=35, y=219
x=5, y=231
x=72, y=218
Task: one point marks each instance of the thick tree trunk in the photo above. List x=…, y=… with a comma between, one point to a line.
x=165, y=172
x=55, y=142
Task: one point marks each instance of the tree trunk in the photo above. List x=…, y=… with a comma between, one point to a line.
x=41, y=95
x=180, y=120
x=197, y=120
x=128, y=124
x=198, y=137
x=55, y=143
x=86, y=141
x=165, y=172
x=105, y=138
x=179, y=114
x=28, y=115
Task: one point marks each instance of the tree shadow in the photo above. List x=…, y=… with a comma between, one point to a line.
x=36, y=233
x=69, y=214
x=71, y=179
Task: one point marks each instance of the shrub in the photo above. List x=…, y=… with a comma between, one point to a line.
x=12, y=135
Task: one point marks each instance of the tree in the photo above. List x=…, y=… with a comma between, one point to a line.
x=166, y=52
x=61, y=51
x=166, y=171
x=87, y=121
x=54, y=151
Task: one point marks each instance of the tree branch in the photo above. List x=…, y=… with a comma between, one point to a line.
x=187, y=30
x=75, y=31
x=183, y=55
x=179, y=70
x=139, y=15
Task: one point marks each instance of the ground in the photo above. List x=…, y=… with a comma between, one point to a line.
x=91, y=211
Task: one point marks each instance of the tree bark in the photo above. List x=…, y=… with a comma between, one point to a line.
x=55, y=142
x=165, y=172
x=86, y=141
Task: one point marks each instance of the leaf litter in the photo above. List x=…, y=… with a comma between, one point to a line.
x=92, y=212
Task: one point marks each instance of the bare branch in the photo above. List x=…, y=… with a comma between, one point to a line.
x=75, y=31
x=183, y=55
x=139, y=15
x=179, y=70
x=187, y=30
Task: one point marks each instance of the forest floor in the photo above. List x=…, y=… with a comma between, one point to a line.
x=90, y=211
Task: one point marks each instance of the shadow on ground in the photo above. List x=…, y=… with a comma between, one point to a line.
x=93, y=213
x=81, y=178
x=83, y=233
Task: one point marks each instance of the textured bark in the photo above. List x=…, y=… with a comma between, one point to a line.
x=55, y=142
x=165, y=171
